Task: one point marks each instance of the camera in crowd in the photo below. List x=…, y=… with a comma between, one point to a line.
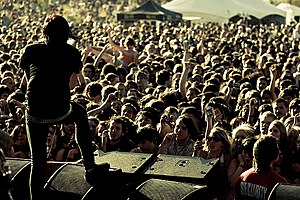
x=209, y=111
x=165, y=118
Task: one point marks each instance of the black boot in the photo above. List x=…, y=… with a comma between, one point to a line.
x=97, y=173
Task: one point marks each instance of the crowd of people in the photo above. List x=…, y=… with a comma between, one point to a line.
x=228, y=91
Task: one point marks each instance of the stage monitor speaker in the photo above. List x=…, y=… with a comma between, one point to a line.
x=157, y=189
x=181, y=168
x=68, y=183
x=285, y=192
x=19, y=180
x=130, y=163
x=133, y=165
x=20, y=173
x=64, y=180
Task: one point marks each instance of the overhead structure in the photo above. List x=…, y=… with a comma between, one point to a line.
x=223, y=10
x=204, y=10
x=292, y=11
x=150, y=10
x=264, y=11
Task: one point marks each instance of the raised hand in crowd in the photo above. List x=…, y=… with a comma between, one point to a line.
x=107, y=103
x=168, y=139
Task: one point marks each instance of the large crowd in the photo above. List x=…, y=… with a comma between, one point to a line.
x=200, y=90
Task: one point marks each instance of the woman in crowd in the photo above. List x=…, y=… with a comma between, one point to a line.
x=283, y=164
x=242, y=137
x=54, y=143
x=69, y=150
x=128, y=53
x=242, y=162
x=293, y=136
x=218, y=145
x=240, y=133
x=21, y=145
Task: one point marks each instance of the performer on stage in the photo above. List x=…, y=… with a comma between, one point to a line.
x=52, y=70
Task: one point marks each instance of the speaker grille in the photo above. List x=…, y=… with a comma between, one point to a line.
x=69, y=179
x=19, y=181
x=157, y=189
x=17, y=165
x=285, y=192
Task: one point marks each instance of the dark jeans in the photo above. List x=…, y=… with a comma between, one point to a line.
x=4, y=188
x=37, y=136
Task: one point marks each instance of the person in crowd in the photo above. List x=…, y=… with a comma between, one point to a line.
x=293, y=136
x=167, y=120
x=128, y=53
x=70, y=151
x=239, y=134
x=265, y=120
x=103, y=111
x=10, y=82
x=216, y=112
x=116, y=106
x=283, y=164
x=116, y=137
x=217, y=144
x=93, y=92
x=54, y=143
x=180, y=142
x=4, y=91
x=129, y=110
x=157, y=104
x=112, y=78
x=296, y=167
x=145, y=117
x=147, y=140
x=88, y=71
x=258, y=181
x=294, y=107
x=242, y=162
x=142, y=81
x=21, y=144
x=96, y=139
x=65, y=59
x=196, y=116
x=120, y=86
x=280, y=108
x=6, y=143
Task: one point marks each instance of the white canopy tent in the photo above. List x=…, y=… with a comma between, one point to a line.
x=222, y=10
x=291, y=10
x=287, y=7
x=262, y=10
x=259, y=8
x=204, y=10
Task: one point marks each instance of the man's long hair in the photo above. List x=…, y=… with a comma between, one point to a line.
x=56, y=29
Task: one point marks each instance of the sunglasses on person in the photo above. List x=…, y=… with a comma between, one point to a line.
x=213, y=138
